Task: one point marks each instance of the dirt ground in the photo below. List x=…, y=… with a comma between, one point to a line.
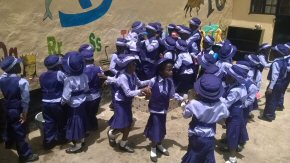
x=269, y=142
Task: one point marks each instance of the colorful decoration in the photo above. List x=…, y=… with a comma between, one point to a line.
x=96, y=42
x=29, y=65
x=53, y=46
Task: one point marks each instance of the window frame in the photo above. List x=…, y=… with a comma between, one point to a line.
x=264, y=5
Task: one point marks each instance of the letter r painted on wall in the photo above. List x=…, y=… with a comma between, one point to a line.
x=70, y=20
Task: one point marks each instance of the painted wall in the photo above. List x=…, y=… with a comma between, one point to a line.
x=23, y=25
x=242, y=18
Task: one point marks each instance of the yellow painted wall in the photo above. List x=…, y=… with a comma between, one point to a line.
x=21, y=23
x=242, y=18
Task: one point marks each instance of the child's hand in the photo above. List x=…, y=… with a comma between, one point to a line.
x=146, y=91
x=102, y=76
x=23, y=117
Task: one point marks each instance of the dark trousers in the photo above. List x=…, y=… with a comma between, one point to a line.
x=272, y=101
x=92, y=108
x=54, y=125
x=16, y=133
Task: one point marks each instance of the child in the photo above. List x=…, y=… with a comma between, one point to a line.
x=170, y=51
x=226, y=53
x=122, y=119
x=184, y=68
x=205, y=60
x=121, y=49
x=234, y=98
x=74, y=95
x=194, y=25
x=285, y=82
x=149, y=51
x=171, y=28
x=133, y=37
x=207, y=44
x=255, y=74
x=276, y=75
x=252, y=90
x=16, y=102
x=263, y=54
x=162, y=90
x=205, y=111
x=94, y=94
x=51, y=83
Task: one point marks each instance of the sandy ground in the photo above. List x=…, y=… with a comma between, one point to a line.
x=269, y=142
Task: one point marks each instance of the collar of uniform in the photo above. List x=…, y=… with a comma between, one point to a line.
x=195, y=31
x=160, y=79
x=89, y=65
x=277, y=59
x=11, y=75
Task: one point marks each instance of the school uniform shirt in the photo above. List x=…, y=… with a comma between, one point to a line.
x=257, y=79
x=132, y=39
x=251, y=94
x=263, y=61
x=192, y=47
x=238, y=93
x=113, y=64
x=170, y=55
x=223, y=65
x=184, y=59
x=208, y=113
x=74, y=90
x=60, y=76
x=288, y=62
x=122, y=81
x=96, y=94
x=275, y=72
x=24, y=90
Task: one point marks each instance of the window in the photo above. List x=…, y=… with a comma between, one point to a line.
x=264, y=7
x=284, y=8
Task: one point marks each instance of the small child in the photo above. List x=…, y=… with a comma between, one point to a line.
x=205, y=61
x=226, y=53
x=205, y=111
x=207, y=44
x=149, y=51
x=196, y=35
x=184, y=68
x=234, y=98
x=94, y=94
x=74, y=95
x=170, y=51
x=16, y=102
x=286, y=81
x=128, y=84
x=162, y=90
x=121, y=49
x=51, y=83
x=276, y=76
x=255, y=73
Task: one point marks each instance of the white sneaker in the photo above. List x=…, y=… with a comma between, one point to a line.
x=232, y=160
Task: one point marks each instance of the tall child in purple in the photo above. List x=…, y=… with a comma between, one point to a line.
x=16, y=102
x=51, y=83
x=234, y=98
x=128, y=84
x=94, y=94
x=205, y=112
x=74, y=95
x=162, y=90
x=121, y=49
x=276, y=76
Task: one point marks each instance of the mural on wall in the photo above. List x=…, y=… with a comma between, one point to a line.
x=11, y=52
x=77, y=19
x=220, y=4
x=29, y=65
